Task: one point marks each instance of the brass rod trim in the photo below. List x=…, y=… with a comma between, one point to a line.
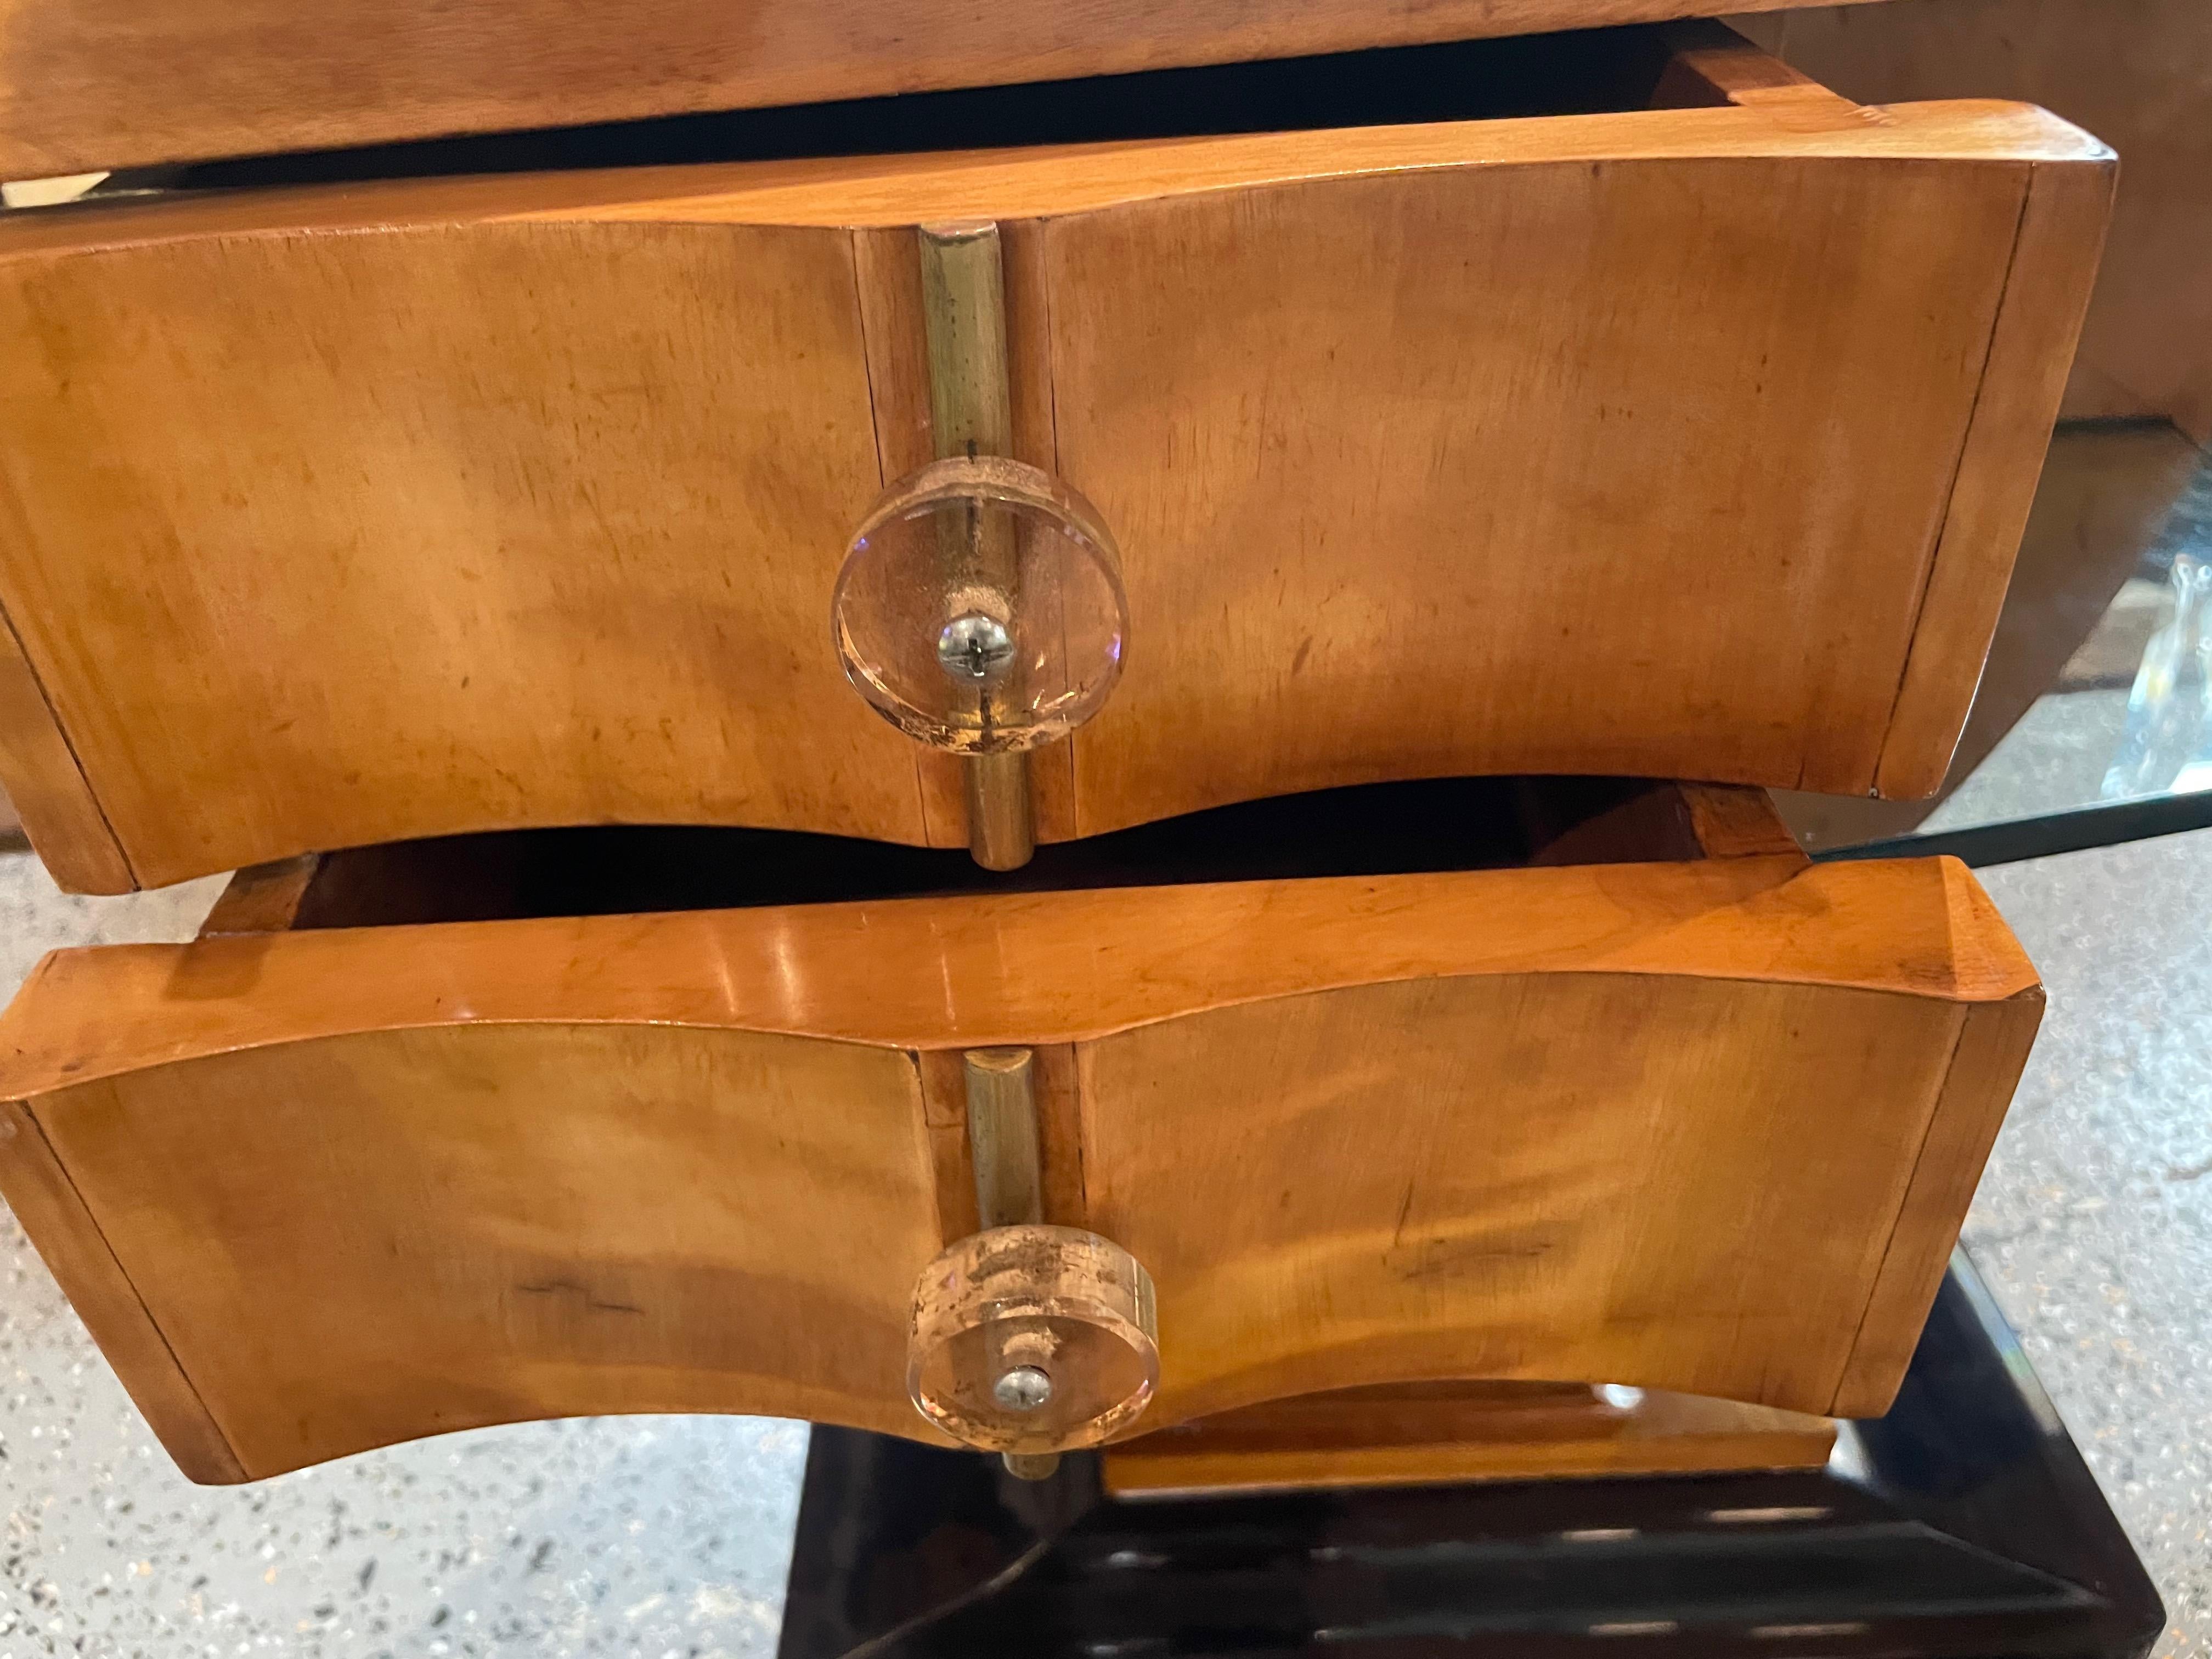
x=1002, y=1136
x=971, y=413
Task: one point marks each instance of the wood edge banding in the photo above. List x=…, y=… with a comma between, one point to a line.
x=1045, y=181
x=38, y=1189
x=2063, y=217
x=1991, y=1053
x=40, y=768
x=1034, y=970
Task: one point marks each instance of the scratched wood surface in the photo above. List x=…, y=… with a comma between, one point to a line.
x=1708, y=1126
x=1675, y=441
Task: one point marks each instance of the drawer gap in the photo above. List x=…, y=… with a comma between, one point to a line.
x=1379, y=829
x=1579, y=72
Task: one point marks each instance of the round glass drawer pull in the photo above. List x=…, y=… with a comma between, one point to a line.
x=1033, y=1339
x=980, y=607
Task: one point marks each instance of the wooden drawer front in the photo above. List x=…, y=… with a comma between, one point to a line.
x=1691, y=441
x=1707, y=1124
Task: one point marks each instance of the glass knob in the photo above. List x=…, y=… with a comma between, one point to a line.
x=1033, y=1339
x=980, y=607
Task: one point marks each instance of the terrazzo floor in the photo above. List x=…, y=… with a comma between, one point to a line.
x=670, y=1536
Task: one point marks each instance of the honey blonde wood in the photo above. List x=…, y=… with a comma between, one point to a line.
x=470, y=543
x=1656, y=1209
x=1020, y=970
x=1551, y=1125
x=1734, y=823
x=42, y=1198
x=1993, y=1045
x=1410, y=1434
x=1320, y=436
x=527, y=1221
x=263, y=899
x=109, y=84
x=521, y=505
x=2061, y=228
x=47, y=793
x=1711, y=64
x=1042, y=181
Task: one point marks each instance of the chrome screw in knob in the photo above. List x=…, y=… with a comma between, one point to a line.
x=1024, y=1388
x=976, y=649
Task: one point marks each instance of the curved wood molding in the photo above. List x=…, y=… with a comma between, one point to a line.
x=1706, y=1127
x=1668, y=443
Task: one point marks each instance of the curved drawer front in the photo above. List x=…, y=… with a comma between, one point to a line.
x=1688, y=442
x=1706, y=1126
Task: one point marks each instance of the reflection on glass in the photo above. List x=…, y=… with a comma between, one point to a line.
x=2167, y=743
x=980, y=608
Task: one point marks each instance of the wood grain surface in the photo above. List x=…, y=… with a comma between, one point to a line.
x=453, y=547
x=109, y=84
x=46, y=786
x=1416, y=1433
x=521, y=501
x=1705, y=1127
x=47, y=1202
x=2061, y=228
x=486, y=1224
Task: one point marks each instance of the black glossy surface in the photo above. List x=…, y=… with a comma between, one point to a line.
x=1970, y=1528
x=2014, y=840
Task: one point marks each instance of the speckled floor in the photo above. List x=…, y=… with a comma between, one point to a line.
x=2094, y=1224
x=670, y=1536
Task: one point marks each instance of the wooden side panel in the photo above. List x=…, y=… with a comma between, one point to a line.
x=408, y=1232
x=498, y=525
x=38, y=1189
x=109, y=84
x=47, y=788
x=1994, y=1039
x=1628, y=468
x=2061, y=228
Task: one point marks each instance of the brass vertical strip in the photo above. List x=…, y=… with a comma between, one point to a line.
x=1002, y=1139
x=1002, y=1136
x=964, y=305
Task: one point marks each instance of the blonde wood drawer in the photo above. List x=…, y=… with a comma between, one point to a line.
x=1631, y=1094
x=1692, y=440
